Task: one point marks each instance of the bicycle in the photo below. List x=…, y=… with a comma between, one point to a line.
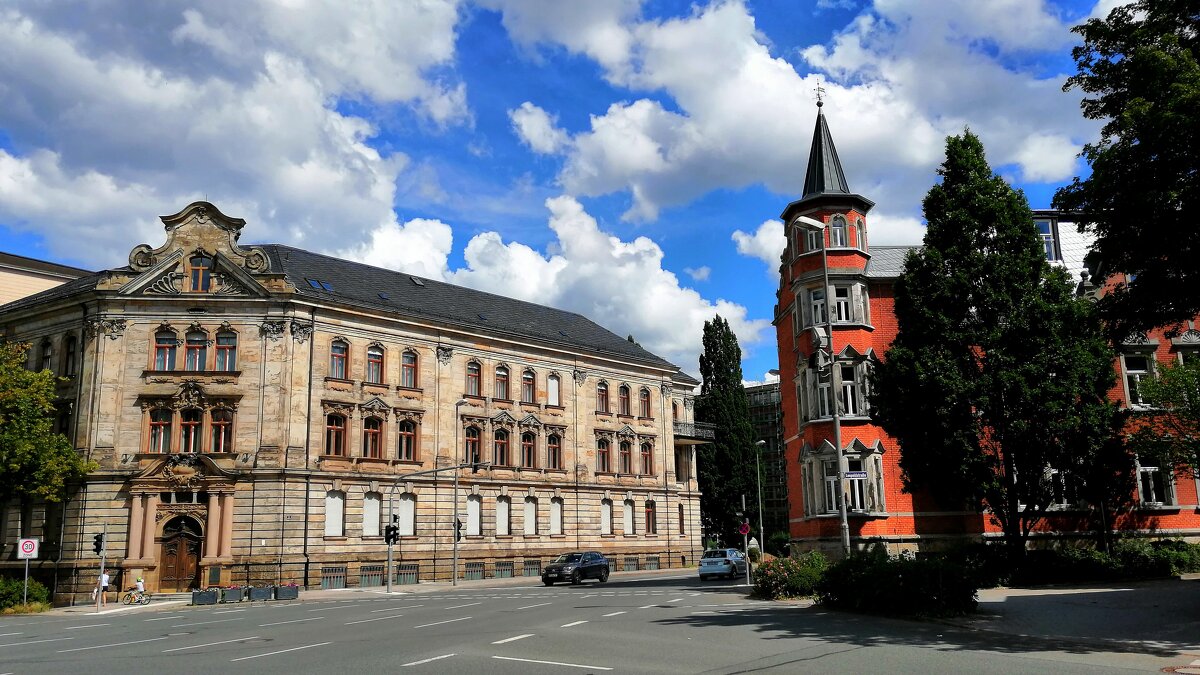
x=134, y=595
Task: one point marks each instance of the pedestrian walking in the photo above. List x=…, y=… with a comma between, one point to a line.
x=104, y=578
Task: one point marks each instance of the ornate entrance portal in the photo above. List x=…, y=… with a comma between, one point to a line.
x=180, y=555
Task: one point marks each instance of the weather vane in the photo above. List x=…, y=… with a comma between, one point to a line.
x=820, y=92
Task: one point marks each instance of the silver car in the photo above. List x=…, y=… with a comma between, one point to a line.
x=726, y=562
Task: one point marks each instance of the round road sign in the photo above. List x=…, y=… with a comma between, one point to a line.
x=744, y=528
x=27, y=548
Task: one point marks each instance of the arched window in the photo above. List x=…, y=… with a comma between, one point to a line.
x=474, y=375
x=335, y=513
x=628, y=517
x=651, y=518
x=200, y=267
x=602, y=397
x=603, y=464
x=338, y=353
x=335, y=435
x=837, y=232
x=221, y=430
x=372, y=437
x=164, y=350
x=623, y=400
x=501, y=391
x=606, y=516
x=408, y=369
x=406, y=512
x=554, y=451
x=375, y=364
x=370, y=522
x=196, y=351
x=474, y=515
x=682, y=521
x=407, y=448
x=47, y=355
x=471, y=448
x=160, y=430
x=626, y=457
x=500, y=448
x=644, y=403
x=556, y=515
x=528, y=450
x=647, y=459
x=528, y=387
x=552, y=391
x=862, y=234
x=190, y=428
x=226, y=351
x=531, y=509
x=503, y=516
x=69, y=347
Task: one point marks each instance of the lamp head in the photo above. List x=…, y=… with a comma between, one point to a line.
x=810, y=223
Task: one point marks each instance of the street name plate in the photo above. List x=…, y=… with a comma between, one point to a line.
x=856, y=474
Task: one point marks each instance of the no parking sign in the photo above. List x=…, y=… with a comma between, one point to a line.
x=27, y=549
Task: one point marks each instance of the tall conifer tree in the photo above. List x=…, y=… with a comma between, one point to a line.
x=995, y=384
x=725, y=469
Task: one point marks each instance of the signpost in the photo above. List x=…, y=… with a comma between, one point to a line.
x=27, y=549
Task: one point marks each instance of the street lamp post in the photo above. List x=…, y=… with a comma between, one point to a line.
x=834, y=377
x=762, y=534
x=454, y=523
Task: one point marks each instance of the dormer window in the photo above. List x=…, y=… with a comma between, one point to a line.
x=201, y=267
x=1046, y=231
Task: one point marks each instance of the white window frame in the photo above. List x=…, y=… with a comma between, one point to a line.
x=406, y=512
x=606, y=516
x=370, y=514
x=474, y=515
x=814, y=239
x=838, y=232
x=849, y=391
x=556, y=515
x=531, y=509
x=1133, y=378
x=1145, y=484
x=842, y=312
x=503, y=516
x=629, y=518
x=817, y=307
x=335, y=513
x=857, y=487
x=553, y=397
x=829, y=476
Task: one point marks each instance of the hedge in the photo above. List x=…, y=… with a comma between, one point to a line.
x=789, y=577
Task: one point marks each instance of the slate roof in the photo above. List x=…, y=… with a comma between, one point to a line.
x=72, y=287
x=824, y=175
x=887, y=262
x=409, y=295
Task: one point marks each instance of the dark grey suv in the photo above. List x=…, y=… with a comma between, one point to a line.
x=575, y=567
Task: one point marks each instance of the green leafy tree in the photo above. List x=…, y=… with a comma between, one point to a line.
x=36, y=464
x=1140, y=73
x=725, y=468
x=995, y=384
x=1168, y=432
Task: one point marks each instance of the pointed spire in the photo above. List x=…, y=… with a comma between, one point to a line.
x=825, y=174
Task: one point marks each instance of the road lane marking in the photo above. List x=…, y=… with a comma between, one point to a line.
x=330, y=609
x=201, y=623
x=210, y=644
x=675, y=600
x=589, y=595
x=115, y=644
x=513, y=639
x=573, y=623
x=438, y=623
x=469, y=604
x=552, y=663
x=647, y=606
x=378, y=618
x=90, y=625
x=280, y=623
x=281, y=651
x=393, y=609
x=164, y=618
x=34, y=642
x=436, y=658
x=8, y=634
x=229, y=611
x=615, y=613
x=540, y=604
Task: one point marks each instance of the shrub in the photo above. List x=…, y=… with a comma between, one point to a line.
x=12, y=590
x=987, y=564
x=777, y=543
x=879, y=584
x=789, y=577
x=1159, y=558
x=754, y=555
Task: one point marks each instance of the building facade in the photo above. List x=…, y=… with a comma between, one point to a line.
x=21, y=276
x=256, y=413
x=832, y=274
x=766, y=416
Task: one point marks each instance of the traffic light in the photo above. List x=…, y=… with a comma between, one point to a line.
x=457, y=529
x=391, y=534
x=98, y=544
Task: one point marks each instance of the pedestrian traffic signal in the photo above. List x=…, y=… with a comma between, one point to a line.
x=457, y=529
x=98, y=544
x=391, y=534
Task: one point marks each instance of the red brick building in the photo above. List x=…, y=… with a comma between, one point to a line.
x=833, y=273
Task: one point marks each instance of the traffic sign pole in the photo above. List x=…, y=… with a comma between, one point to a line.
x=27, y=549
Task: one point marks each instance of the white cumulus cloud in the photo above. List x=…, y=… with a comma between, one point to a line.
x=766, y=244
x=537, y=129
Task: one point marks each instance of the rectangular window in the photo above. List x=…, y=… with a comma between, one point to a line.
x=831, y=486
x=531, y=524
x=160, y=430
x=189, y=430
x=1137, y=367
x=552, y=393
x=503, y=516
x=408, y=370
x=407, y=512
x=628, y=517
x=814, y=240
x=370, y=525
x=474, y=517
x=473, y=379
x=554, y=452
x=502, y=383
x=841, y=304
x=817, y=304
x=556, y=516
x=849, y=391
x=837, y=233
x=858, y=486
x=407, y=448
x=1046, y=232
x=221, y=429
x=651, y=518
x=337, y=360
x=1154, y=486
x=335, y=509
x=1065, y=489
x=527, y=387
x=824, y=397
x=606, y=516
x=226, y=352
x=374, y=365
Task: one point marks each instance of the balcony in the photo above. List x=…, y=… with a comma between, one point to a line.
x=694, y=433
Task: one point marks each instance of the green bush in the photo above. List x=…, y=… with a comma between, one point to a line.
x=879, y=584
x=12, y=590
x=754, y=555
x=1159, y=558
x=777, y=543
x=789, y=577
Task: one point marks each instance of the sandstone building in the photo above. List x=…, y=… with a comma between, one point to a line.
x=256, y=412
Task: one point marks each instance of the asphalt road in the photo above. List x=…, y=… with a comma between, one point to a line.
x=650, y=624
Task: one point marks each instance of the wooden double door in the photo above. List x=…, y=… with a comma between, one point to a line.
x=179, y=557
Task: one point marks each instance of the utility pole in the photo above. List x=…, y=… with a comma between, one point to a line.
x=103, y=551
x=762, y=534
x=746, y=540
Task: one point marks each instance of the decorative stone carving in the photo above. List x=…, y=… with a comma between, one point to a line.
x=164, y=511
x=530, y=421
x=444, y=352
x=273, y=330
x=113, y=328
x=688, y=402
x=403, y=415
x=1190, y=336
x=183, y=470
x=331, y=407
x=191, y=395
x=301, y=331
x=170, y=283
x=666, y=390
x=580, y=377
x=227, y=285
x=503, y=419
x=375, y=406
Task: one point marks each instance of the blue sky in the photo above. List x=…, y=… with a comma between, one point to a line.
x=626, y=160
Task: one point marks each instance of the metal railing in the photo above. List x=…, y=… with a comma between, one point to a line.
x=532, y=567
x=473, y=571
x=696, y=430
x=651, y=562
x=504, y=569
x=408, y=573
x=370, y=575
x=333, y=576
x=630, y=564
